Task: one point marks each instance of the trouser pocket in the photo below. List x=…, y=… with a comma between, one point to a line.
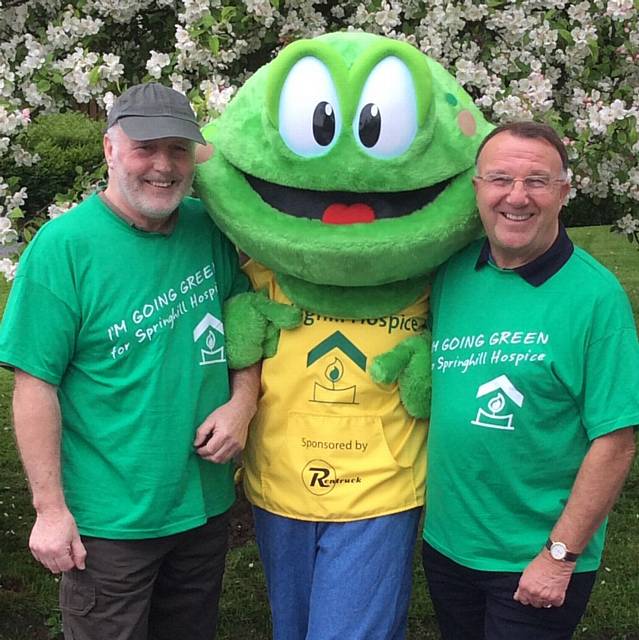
x=77, y=599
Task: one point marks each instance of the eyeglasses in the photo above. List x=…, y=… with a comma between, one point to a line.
x=532, y=184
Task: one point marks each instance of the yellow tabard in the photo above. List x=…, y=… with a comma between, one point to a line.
x=328, y=443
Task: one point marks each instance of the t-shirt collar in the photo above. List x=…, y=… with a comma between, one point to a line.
x=166, y=231
x=543, y=267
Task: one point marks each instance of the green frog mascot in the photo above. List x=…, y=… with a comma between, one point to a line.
x=343, y=169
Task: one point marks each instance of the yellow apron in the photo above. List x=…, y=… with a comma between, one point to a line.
x=327, y=443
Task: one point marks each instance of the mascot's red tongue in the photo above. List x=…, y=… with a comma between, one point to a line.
x=348, y=214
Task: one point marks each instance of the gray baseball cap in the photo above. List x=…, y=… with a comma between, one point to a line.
x=152, y=111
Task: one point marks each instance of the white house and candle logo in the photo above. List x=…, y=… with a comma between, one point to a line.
x=498, y=389
x=207, y=326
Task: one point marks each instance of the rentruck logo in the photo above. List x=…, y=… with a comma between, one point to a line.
x=319, y=477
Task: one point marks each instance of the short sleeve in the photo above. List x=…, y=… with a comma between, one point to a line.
x=231, y=278
x=610, y=397
x=41, y=319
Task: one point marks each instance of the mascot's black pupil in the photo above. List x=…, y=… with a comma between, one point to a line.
x=370, y=124
x=323, y=124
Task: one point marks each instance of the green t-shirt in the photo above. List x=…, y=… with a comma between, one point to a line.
x=127, y=324
x=524, y=378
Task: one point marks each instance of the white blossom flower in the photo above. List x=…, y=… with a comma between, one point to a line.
x=8, y=268
x=263, y=9
x=35, y=58
x=627, y=224
x=620, y=9
x=216, y=95
x=22, y=157
x=8, y=234
x=388, y=16
x=111, y=69
x=580, y=12
x=56, y=210
x=180, y=83
x=194, y=11
x=156, y=63
x=78, y=67
x=107, y=100
x=7, y=79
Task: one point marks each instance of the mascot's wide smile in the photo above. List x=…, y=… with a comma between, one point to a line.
x=344, y=207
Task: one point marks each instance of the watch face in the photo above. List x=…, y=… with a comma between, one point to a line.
x=558, y=550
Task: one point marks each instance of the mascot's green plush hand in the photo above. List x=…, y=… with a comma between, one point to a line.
x=252, y=326
x=408, y=364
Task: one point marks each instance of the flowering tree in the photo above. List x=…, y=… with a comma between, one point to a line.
x=573, y=65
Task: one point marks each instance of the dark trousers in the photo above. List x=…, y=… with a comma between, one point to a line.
x=153, y=589
x=479, y=605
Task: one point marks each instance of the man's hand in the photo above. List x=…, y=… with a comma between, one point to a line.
x=223, y=434
x=544, y=582
x=55, y=541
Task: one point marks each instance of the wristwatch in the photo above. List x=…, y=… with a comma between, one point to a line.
x=559, y=551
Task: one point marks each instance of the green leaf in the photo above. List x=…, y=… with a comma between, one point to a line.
x=16, y=214
x=214, y=45
x=207, y=21
x=43, y=85
x=566, y=36
x=276, y=4
x=94, y=76
x=27, y=234
x=227, y=14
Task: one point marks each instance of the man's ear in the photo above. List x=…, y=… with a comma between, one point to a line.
x=565, y=191
x=107, y=145
x=203, y=152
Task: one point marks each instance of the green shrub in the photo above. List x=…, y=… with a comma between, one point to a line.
x=584, y=211
x=69, y=145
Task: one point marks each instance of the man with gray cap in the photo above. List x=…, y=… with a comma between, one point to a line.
x=125, y=414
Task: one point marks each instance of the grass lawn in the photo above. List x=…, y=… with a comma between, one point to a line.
x=28, y=593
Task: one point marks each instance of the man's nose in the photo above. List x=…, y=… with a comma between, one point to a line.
x=162, y=161
x=517, y=193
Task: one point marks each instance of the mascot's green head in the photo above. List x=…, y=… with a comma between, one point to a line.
x=346, y=163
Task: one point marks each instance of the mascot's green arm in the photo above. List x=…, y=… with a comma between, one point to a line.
x=409, y=364
x=252, y=326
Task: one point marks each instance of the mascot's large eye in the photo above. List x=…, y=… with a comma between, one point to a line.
x=385, y=123
x=309, y=114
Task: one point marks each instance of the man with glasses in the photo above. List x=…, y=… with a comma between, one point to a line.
x=535, y=378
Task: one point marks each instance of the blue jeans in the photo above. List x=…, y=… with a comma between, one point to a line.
x=338, y=580
x=479, y=605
